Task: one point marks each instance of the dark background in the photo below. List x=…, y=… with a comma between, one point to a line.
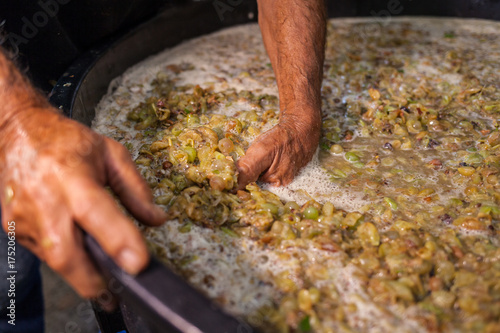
x=487, y=9
x=48, y=35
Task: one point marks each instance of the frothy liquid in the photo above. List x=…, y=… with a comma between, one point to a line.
x=365, y=176
x=314, y=183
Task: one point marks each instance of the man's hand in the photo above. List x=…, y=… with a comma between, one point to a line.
x=52, y=177
x=294, y=36
x=278, y=155
x=52, y=181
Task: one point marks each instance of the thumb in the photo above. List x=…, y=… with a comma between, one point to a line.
x=257, y=159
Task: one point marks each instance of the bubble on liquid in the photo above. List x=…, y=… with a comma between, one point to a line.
x=313, y=182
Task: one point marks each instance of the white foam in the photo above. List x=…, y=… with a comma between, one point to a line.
x=313, y=182
x=225, y=268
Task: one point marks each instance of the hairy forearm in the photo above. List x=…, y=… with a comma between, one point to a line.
x=294, y=36
x=22, y=108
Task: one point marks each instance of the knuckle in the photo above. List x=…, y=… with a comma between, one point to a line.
x=59, y=260
x=243, y=167
x=119, y=149
x=84, y=209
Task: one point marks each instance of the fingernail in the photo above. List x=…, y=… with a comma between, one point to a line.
x=130, y=261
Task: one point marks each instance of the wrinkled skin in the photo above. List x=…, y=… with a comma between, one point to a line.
x=279, y=154
x=294, y=35
x=53, y=173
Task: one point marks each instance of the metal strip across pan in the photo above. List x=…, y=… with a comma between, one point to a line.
x=163, y=300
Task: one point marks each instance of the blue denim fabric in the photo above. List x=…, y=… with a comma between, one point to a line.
x=28, y=293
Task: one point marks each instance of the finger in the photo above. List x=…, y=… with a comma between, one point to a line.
x=50, y=234
x=281, y=172
x=271, y=179
x=20, y=213
x=128, y=184
x=257, y=159
x=63, y=251
x=97, y=213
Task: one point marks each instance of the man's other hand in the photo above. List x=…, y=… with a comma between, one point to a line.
x=278, y=154
x=53, y=176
